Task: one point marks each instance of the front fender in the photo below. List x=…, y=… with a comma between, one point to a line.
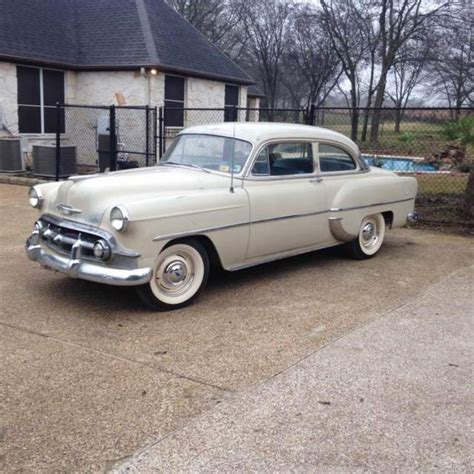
x=219, y=214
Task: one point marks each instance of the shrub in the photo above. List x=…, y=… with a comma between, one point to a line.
x=407, y=137
x=461, y=130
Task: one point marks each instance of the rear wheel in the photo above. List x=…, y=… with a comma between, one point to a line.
x=370, y=238
x=180, y=273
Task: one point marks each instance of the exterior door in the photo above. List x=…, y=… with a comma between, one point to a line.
x=288, y=209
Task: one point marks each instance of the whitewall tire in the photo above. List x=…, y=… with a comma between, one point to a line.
x=180, y=273
x=370, y=238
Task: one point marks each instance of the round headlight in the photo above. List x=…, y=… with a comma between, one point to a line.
x=102, y=250
x=119, y=218
x=35, y=197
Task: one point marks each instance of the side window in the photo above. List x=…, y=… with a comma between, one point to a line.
x=332, y=158
x=281, y=159
x=261, y=166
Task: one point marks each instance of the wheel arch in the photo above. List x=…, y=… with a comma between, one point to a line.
x=206, y=242
x=388, y=217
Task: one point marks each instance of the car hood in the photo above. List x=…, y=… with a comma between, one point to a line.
x=86, y=198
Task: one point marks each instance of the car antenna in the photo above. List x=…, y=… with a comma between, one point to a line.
x=232, y=160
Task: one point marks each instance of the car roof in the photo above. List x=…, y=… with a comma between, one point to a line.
x=257, y=132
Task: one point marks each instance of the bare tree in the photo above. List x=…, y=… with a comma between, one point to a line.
x=311, y=68
x=348, y=42
x=406, y=74
x=452, y=65
x=400, y=21
x=219, y=20
x=367, y=20
x=266, y=23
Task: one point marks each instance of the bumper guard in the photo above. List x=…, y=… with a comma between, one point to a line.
x=83, y=269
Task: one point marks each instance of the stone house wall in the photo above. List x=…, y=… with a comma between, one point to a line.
x=107, y=88
x=8, y=99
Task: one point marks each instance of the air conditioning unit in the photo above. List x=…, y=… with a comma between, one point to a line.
x=44, y=161
x=11, y=157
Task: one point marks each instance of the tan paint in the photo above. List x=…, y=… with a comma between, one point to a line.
x=261, y=220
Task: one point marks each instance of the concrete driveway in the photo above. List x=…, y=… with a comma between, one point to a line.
x=89, y=376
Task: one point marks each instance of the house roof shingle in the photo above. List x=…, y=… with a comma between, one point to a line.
x=109, y=34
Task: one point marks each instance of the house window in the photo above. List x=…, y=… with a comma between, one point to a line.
x=231, y=103
x=38, y=92
x=174, y=101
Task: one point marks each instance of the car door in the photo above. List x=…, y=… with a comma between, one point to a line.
x=287, y=197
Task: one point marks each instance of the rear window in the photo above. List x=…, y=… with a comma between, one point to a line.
x=333, y=159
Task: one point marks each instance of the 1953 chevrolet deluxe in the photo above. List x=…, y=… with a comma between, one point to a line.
x=233, y=195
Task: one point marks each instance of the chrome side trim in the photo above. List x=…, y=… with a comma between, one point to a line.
x=180, y=235
x=285, y=177
x=199, y=211
x=230, y=226
x=341, y=209
x=337, y=230
x=291, y=216
x=76, y=268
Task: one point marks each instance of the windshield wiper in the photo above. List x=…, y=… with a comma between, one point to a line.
x=186, y=165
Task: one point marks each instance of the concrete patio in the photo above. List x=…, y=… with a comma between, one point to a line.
x=91, y=380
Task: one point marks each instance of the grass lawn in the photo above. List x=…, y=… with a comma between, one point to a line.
x=432, y=184
x=416, y=138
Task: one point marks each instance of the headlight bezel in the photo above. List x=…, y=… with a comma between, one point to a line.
x=36, y=201
x=119, y=223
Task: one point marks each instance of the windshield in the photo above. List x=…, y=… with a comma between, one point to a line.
x=209, y=152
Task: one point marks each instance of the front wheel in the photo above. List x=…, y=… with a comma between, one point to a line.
x=180, y=273
x=370, y=238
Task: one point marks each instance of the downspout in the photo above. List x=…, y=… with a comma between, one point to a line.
x=149, y=89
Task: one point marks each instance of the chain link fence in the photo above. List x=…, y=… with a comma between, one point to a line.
x=99, y=138
x=435, y=145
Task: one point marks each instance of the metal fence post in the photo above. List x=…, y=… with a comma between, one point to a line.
x=155, y=131
x=147, y=136
x=161, y=136
x=58, y=139
x=312, y=115
x=113, y=139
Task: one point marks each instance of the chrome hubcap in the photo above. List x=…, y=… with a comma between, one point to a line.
x=368, y=231
x=369, y=234
x=175, y=272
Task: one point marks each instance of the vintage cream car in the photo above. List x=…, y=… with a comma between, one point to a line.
x=233, y=195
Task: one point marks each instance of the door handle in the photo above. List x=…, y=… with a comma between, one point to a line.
x=318, y=179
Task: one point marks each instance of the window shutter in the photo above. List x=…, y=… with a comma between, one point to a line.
x=53, y=87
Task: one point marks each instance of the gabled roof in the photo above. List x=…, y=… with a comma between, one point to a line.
x=109, y=34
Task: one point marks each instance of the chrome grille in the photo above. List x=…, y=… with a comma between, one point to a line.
x=63, y=240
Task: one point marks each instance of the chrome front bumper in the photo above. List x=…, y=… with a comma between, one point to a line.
x=83, y=269
x=413, y=217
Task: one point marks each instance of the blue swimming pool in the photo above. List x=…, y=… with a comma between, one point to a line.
x=399, y=163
